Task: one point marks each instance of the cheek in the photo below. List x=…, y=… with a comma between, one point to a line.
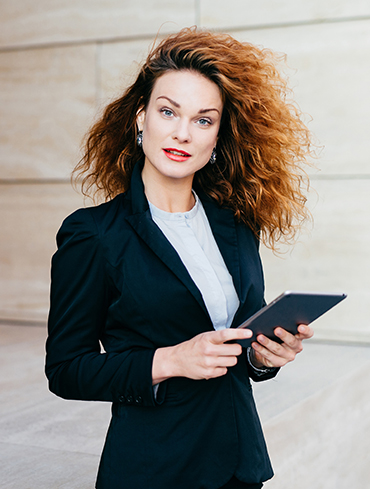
x=209, y=143
x=214, y=135
x=149, y=137
x=153, y=130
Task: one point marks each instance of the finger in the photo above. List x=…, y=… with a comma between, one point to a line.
x=289, y=340
x=226, y=361
x=277, y=349
x=304, y=332
x=262, y=360
x=216, y=372
x=229, y=349
x=208, y=348
x=228, y=334
x=266, y=357
x=221, y=349
x=273, y=354
x=270, y=359
x=287, y=351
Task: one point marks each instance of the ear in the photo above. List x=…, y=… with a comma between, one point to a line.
x=140, y=119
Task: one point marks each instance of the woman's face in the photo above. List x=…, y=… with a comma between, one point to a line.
x=180, y=125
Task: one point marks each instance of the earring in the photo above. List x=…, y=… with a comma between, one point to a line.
x=139, y=139
x=212, y=159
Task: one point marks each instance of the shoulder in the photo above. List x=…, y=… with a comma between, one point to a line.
x=93, y=221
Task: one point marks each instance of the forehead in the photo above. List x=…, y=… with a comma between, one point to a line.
x=187, y=88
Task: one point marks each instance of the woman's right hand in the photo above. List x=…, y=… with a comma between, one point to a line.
x=205, y=356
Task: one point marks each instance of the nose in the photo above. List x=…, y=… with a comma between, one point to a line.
x=182, y=132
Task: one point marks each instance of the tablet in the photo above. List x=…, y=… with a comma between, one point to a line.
x=289, y=310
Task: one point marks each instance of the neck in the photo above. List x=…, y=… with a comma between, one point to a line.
x=168, y=194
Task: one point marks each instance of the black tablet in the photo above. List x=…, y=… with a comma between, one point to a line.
x=289, y=310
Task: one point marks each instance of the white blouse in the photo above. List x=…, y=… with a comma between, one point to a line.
x=191, y=236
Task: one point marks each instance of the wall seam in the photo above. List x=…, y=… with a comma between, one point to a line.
x=79, y=42
x=143, y=37
x=353, y=176
x=34, y=181
x=287, y=25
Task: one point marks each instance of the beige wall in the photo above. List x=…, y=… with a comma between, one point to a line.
x=61, y=61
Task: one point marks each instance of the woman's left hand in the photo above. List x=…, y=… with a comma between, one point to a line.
x=268, y=353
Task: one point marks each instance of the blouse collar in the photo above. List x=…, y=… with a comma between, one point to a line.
x=175, y=216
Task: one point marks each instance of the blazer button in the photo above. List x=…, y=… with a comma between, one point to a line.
x=138, y=400
x=122, y=399
x=129, y=399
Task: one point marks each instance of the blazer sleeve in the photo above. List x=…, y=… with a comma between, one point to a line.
x=259, y=375
x=75, y=365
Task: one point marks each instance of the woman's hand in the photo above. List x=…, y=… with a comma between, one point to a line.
x=205, y=356
x=268, y=353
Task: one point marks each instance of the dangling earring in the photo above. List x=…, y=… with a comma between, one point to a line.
x=212, y=159
x=139, y=139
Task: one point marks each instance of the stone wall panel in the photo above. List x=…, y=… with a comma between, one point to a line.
x=30, y=216
x=236, y=13
x=330, y=78
x=43, y=22
x=47, y=99
x=119, y=64
x=332, y=256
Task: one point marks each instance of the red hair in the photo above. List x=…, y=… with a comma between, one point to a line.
x=262, y=141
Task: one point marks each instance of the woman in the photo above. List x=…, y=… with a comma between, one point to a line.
x=198, y=162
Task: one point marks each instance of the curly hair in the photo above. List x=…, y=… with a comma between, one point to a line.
x=262, y=143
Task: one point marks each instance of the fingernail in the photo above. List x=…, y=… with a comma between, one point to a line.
x=248, y=333
x=262, y=339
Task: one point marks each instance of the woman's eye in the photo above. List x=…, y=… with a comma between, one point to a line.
x=204, y=122
x=167, y=112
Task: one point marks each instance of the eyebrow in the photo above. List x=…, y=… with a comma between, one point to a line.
x=202, y=111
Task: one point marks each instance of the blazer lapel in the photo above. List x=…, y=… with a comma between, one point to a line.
x=141, y=221
x=223, y=227
x=232, y=241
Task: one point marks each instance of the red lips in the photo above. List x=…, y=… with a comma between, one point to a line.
x=183, y=153
x=176, y=154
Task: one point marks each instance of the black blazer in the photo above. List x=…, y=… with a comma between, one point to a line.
x=116, y=280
